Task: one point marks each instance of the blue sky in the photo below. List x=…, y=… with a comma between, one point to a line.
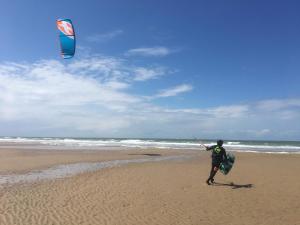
x=176, y=69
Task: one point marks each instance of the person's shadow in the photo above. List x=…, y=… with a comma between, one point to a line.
x=233, y=185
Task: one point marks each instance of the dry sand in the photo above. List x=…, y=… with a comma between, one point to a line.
x=266, y=191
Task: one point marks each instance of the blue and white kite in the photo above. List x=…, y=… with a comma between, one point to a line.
x=66, y=37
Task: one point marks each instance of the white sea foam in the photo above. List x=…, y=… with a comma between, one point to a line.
x=98, y=144
x=233, y=142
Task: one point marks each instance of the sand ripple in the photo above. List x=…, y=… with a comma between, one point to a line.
x=161, y=193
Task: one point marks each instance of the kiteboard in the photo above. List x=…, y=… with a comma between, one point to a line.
x=226, y=166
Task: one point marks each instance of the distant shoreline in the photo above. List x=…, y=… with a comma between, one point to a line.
x=180, y=144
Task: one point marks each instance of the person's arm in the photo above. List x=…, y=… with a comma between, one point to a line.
x=209, y=148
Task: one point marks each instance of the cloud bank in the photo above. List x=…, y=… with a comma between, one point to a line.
x=94, y=98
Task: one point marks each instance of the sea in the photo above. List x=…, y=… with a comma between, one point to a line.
x=280, y=147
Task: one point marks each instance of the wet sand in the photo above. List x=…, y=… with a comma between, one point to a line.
x=261, y=189
x=23, y=160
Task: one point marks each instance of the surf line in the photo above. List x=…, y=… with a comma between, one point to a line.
x=68, y=170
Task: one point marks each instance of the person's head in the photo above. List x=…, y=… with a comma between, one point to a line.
x=220, y=143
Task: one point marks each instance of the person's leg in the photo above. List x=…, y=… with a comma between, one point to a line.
x=211, y=171
x=214, y=170
x=211, y=175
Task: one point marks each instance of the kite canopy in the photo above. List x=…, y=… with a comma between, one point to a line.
x=66, y=37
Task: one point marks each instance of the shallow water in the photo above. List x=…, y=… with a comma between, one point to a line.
x=68, y=170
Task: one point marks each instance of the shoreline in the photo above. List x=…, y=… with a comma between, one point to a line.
x=16, y=159
x=18, y=165
x=20, y=160
x=121, y=143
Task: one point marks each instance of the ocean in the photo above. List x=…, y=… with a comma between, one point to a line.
x=125, y=143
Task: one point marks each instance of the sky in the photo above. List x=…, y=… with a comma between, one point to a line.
x=152, y=69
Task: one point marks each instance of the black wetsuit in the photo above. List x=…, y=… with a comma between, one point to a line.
x=218, y=155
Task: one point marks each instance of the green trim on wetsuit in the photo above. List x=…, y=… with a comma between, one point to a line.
x=217, y=149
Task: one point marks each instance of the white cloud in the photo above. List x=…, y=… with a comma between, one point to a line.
x=143, y=74
x=116, y=85
x=153, y=51
x=174, y=91
x=94, y=98
x=276, y=104
x=263, y=132
x=47, y=86
x=105, y=36
x=232, y=111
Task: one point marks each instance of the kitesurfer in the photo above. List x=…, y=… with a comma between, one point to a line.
x=218, y=155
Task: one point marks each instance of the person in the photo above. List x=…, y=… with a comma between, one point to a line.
x=218, y=155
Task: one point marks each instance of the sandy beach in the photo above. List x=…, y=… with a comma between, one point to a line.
x=261, y=189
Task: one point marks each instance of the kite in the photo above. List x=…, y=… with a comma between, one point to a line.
x=66, y=38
